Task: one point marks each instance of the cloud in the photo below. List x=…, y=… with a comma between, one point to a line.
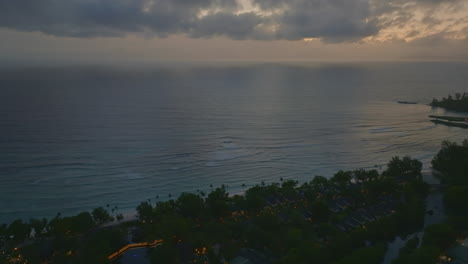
x=328, y=20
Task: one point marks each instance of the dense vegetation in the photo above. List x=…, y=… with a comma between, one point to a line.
x=451, y=162
x=459, y=103
x=345, y=219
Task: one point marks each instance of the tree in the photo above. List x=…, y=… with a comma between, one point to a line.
x=145, y=211
x=293, y=256
x=164, y=208
x=3, y=230
x=407, y=250
x=101, y=216
x=404, y=169
x=451, y=162
x=254, y=199
x=216, y=202
x=190, y=205
x=372, y=254
x=326, y=229
x=319, y=210
x=38, y=225
x=455, y=199
x=289, y=184
x=319, y=182
x=19, y=230
x=342, y=178
x=174, y=226
x=460, y=103
x=82, y=222
x=440, y=235
x=422, y=255
x=119, y=217
x=365, y=176
x=100, y=244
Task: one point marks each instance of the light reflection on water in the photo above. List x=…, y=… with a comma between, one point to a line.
x=75, y=138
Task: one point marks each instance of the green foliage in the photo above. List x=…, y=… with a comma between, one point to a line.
x=372, y=254
x=38, y=225
x=320, y=182
x=422, y=255
x=71, y=225
x=217, y=202
x=101, y=216
x=98, y=245
x=19, y=230
x=164, y=208
x=3, y=230
x=407, y=250
x=451, y=161
x=82, y=222
x=404, y=169
x=165, y=253
x=175, y=225
x=289, y=185
x=365, y=175
x=456, y=198
x=254, y=199
x=293, y=256
x=190, y=205
x=319, y=210
x=119, y=217
x=145, y=211
x=342, y=178
x=439, y=235
x=298, y=227
x=460, y=103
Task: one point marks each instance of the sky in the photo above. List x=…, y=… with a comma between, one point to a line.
x=151, y=31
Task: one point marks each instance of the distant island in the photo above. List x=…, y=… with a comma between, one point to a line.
x=459, y=103
x=407, y=102
x=349, y=218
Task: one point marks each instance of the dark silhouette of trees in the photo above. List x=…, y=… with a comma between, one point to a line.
x=190, y=205
x=18, y=230
x=404, y=169
x=217, y=202
x=101, y=216
x=145, y=211
x=451, y=161
x=460, y=103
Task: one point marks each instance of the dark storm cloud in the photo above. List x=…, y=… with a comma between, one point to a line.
x=334, y=21
x=329, y=20
x=235, y=26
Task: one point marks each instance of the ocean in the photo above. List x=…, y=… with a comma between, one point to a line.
x=73, y=138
